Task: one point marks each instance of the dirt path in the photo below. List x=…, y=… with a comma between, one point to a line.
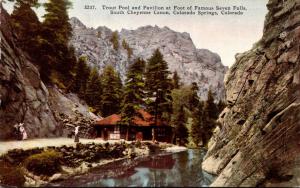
x=44, y=142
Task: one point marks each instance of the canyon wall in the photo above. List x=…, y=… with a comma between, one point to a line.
x=258, y=141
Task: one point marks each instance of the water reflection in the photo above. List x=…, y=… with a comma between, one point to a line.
x=180, y=169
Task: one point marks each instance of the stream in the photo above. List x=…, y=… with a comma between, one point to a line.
x=159, y=170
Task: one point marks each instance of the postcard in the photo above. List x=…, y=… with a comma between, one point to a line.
x=146, y=93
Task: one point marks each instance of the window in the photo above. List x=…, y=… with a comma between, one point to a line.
x=160, y=131
x=117, y=129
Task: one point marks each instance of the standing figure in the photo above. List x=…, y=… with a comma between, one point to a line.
x=153, y=135
x=76, y=134
x=17, y=132
x=23, y=131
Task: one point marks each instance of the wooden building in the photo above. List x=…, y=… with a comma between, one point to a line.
x=142, y=128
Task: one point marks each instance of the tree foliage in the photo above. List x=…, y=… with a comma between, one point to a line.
x=126, y=46
x=134, y=91
x=198, y=126
x=208, y=119
x=176, y=81
x=56, y=33
x=82, y=72
x=158, y=86
x=194, y=98
x=111, y=91
x=115, y=40
x=29, y=31
x=181, y=132
x=94, y=90
x=26, y=24
x=47, y=43
x=210, y=106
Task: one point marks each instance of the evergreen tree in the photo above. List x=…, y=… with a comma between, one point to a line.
x=181, y=132
x=210, y=106
x=56, y=34
x=126, y=46
x=111, y=91
x=176, y=80
x=94, y=90
x=26, y=24
x=79, y=83
x=129, y=52
x=194, y=100
x=198, y=127
x=158, y=87
x=208, y=126
x=115, y=40
x=210, y=114
x=133, y=91
x=29, y=30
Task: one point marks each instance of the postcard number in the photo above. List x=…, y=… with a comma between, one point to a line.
x=90, y=7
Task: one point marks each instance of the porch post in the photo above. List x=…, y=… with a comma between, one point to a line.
x=127, y=132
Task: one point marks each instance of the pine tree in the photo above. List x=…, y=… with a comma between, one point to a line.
x=158, y=86
x=115, y=40
x=198, y=127
x=126, y=46
x=56, y=34
x=111, y=91
x=56, y=22
x=29, y=30
x=94, y=90
x=194, y=100
x=181, y=132
x=176, y=80
x=134, y=91
x=210, y=106
x=26, y=24
x=79, y=83
x=208, y=126
x=210, y=114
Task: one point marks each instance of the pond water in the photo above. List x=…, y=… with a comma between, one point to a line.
x=160, y=170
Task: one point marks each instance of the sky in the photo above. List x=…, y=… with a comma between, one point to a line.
x=224, y=35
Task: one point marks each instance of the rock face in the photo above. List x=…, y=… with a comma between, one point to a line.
x=192, y=64
x=25, y=98
x=70, y=111
x=258, y=140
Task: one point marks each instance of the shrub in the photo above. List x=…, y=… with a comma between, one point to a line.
x=138, y=144
x=45, y=163
x=11, y=175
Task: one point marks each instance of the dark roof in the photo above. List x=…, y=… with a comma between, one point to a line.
x=146, y=119
x=110, y=120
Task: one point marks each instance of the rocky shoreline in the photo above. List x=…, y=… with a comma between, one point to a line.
x=42, y=166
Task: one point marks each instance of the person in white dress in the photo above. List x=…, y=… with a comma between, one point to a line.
x=76, y=134
x=23, y=131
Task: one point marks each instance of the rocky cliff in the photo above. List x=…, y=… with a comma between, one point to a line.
x=25, y=98
x=192, y=64
x=258, y=140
